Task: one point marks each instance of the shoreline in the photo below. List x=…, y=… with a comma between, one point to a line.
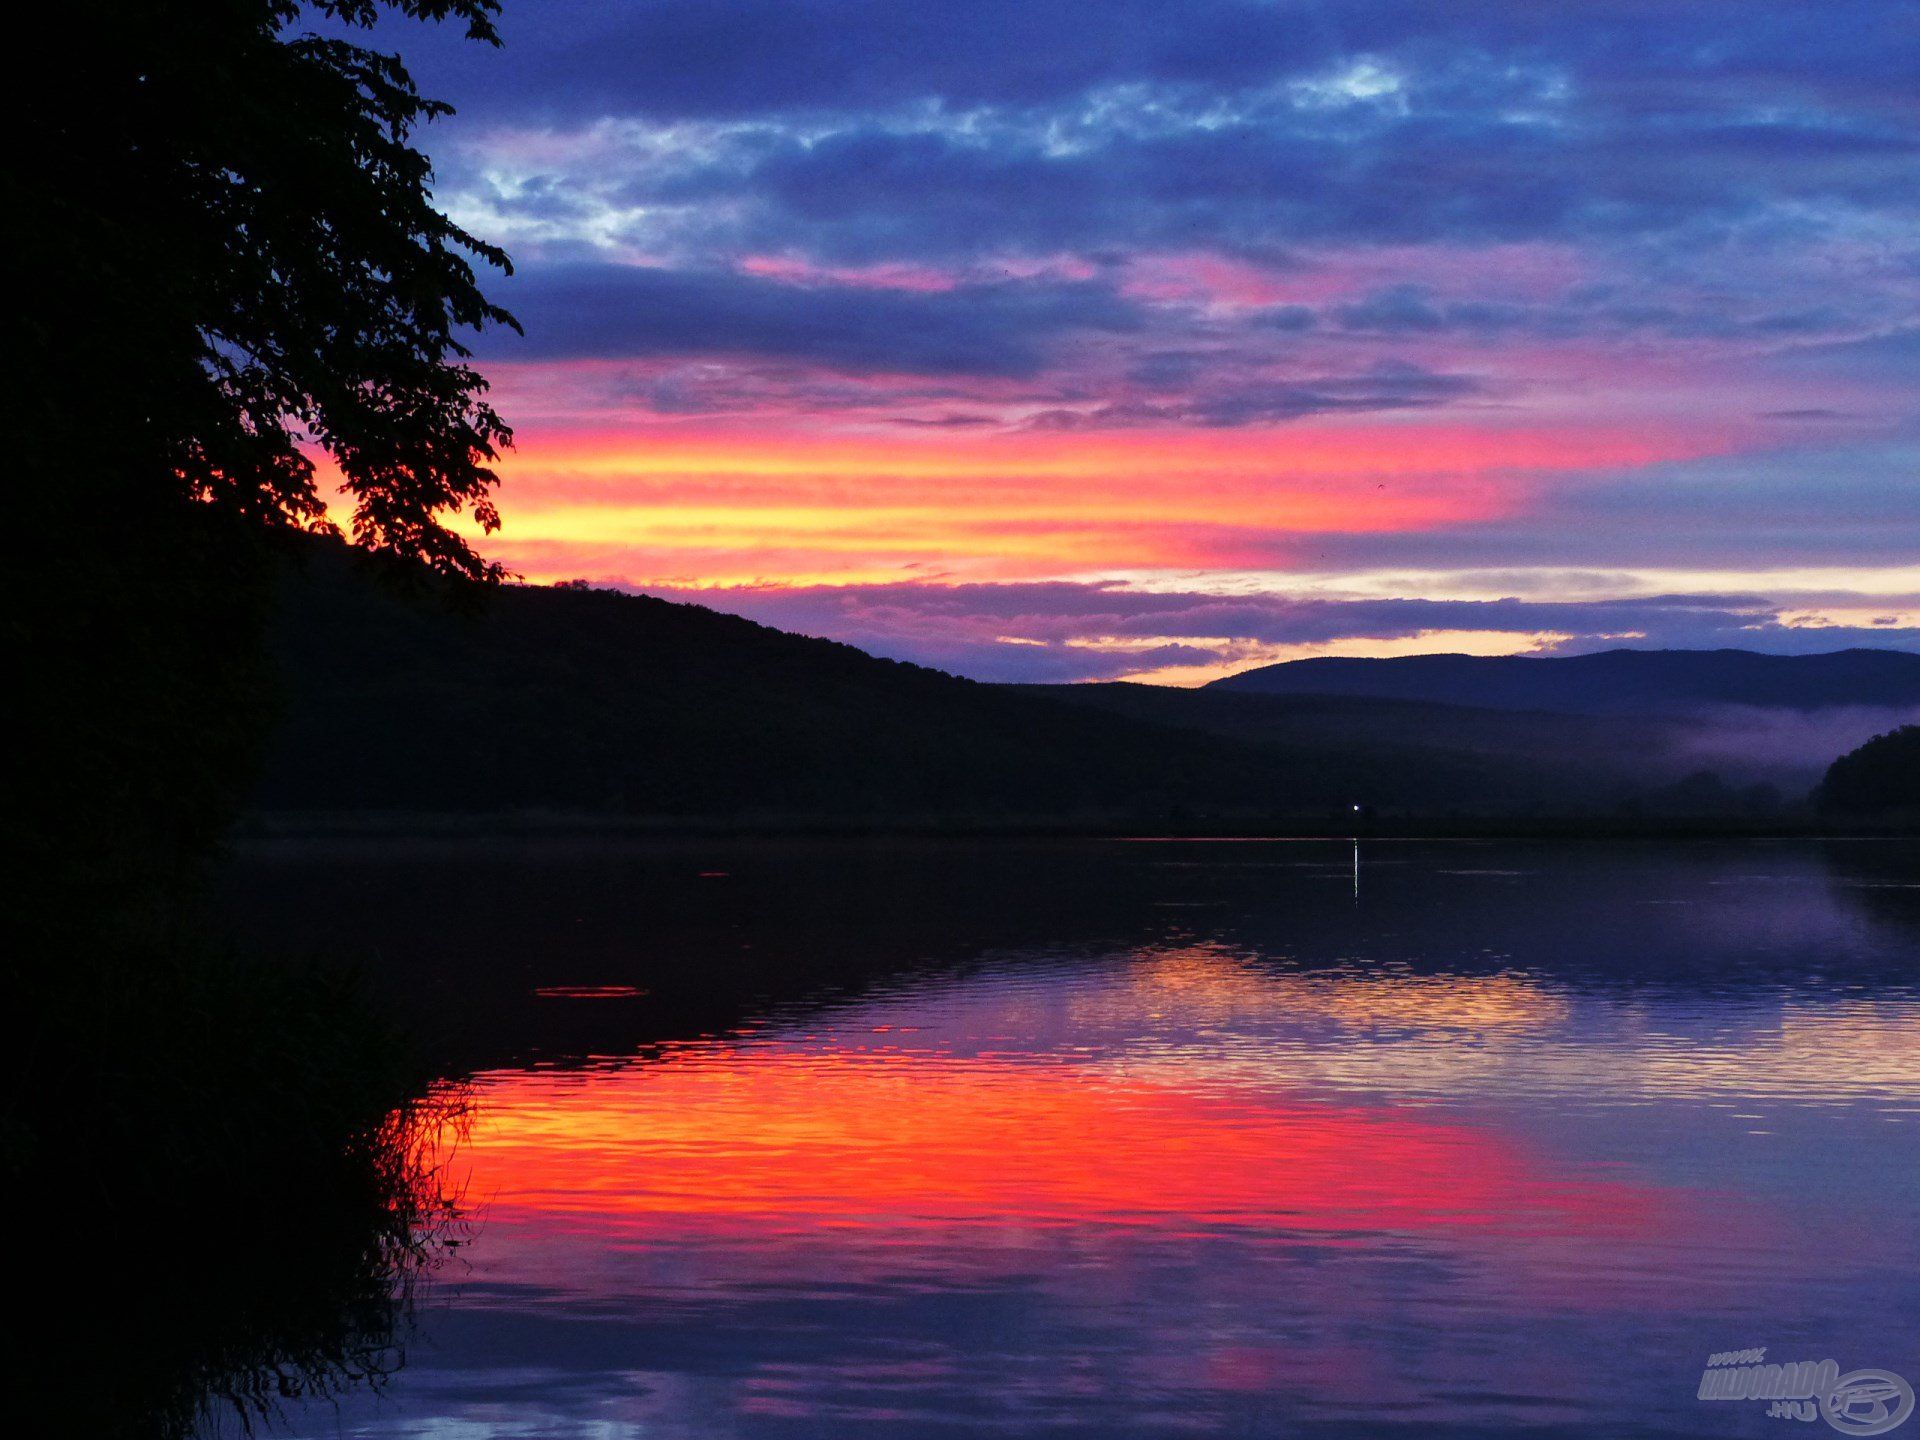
x=378, y=825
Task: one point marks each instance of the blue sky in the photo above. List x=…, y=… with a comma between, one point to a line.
x=1086, y=340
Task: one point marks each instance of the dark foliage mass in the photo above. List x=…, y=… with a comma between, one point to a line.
x=233, y=264
x=1882, y=777
x=256, y=1156
x=228, y=263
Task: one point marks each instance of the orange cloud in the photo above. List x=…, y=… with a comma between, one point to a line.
x=711, y=503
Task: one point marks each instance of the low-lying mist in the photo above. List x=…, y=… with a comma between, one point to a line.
x=1787, y=748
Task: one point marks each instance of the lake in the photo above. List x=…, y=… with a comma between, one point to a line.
x=1140, y=1138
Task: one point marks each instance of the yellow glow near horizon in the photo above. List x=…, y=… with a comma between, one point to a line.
x=1247, y=655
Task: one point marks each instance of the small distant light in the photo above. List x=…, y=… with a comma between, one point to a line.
x=1356, y=809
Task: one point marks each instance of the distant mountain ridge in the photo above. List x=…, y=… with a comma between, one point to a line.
x=1609, y=682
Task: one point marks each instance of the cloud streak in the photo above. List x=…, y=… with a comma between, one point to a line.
x=598, y=311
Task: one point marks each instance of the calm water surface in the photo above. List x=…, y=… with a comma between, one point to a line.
x=1143, y=1138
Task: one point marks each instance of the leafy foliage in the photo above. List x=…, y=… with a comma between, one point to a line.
x=234, y=258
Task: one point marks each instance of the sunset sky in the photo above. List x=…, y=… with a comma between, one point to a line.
x=1056, y=341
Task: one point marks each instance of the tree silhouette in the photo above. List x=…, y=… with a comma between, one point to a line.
x=1882, y=777
x=231, y=275
x=238, y=257
x=228, y=266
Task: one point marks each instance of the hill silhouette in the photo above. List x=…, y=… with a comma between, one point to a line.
x=572, y=701
x=581, y=700
x=1612, y=682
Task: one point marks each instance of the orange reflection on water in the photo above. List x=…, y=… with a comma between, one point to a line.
x=1212, y=984
x=721, y=1136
